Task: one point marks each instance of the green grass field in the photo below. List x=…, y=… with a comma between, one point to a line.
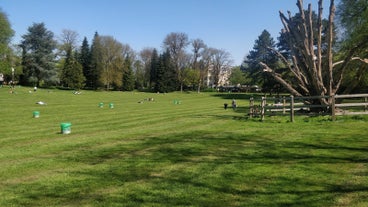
x=163, y=154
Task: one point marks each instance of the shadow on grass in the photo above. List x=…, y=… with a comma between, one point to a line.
x=237, y=96
x=203, y=168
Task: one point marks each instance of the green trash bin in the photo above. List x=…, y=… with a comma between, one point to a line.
x=111, y=105
x=66, y=128
x=36, y=114
x=101, y=105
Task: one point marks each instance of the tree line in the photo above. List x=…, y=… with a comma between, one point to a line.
x=312, y=56
x=108, y=64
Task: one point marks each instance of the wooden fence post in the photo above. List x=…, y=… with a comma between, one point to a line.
x=365, y=101
x=291, y=108
x=333, y=110
x=283, y=105
x=251, y=107
x=263, y=104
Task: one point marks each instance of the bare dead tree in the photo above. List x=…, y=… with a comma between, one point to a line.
x=198, y=47
x=311, y=64
x=221, y=62
x=68, y=40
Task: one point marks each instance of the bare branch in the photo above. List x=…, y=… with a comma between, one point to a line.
x=365, y=60
x=296, y=72
x=280, y=79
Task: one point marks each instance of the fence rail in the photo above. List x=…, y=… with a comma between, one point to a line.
x=291, y=104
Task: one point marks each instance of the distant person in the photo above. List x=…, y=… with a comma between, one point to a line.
x=1, y=80
x=35, y=89
x=225, y=106
x=12, y=85
x=233, y=103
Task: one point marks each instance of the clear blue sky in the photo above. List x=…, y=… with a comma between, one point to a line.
x=232, y=25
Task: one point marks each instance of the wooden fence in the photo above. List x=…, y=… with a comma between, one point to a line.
x=355, y=104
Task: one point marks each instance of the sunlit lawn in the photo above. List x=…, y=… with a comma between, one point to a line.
x=158, y=153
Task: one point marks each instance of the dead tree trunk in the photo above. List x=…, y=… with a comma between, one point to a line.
x=312, y=66
x=306, y=54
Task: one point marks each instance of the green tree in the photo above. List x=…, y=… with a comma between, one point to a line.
x=154, y=64
x=128, y=75
x=175, y=43
x=93, y=78
x=199, y=48
x=166, y=74
x=190, y=77
x=112, y=62
x=140, y=81
x=38, y=58
x=6, y=33
x=85, y=60
x=72, y=75
x=237, y=76
x=353, y=19
x=261, y=53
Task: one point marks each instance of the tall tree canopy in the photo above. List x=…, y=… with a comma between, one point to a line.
x=175, y=44
x=84, y=58
x=165, y=74
x=93, y=78
x=6, y=33
x=112, y=62
x=146, y=57
x=221, y=62
x=353, y=19
x=38, y=57
x=128, y=75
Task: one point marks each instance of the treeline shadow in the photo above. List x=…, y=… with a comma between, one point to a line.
x=241, y=96
x=176, y=169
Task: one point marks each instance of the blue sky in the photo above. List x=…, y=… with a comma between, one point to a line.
x=232, y=25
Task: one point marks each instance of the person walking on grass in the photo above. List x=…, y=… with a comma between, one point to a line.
x=233, y=103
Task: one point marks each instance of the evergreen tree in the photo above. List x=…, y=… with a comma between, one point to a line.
x=96, y=63
x=38, y=56
x=85, y=60
x=261, y=53
x=139, y=74
x=166, y=74
x=160, y=85
x=153, y=68
x=72, y=73
x=128, y=75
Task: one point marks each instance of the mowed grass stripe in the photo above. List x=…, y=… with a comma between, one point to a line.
x=165, y=154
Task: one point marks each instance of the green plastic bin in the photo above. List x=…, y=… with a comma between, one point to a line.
x=36, y=114
x=66, y=128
